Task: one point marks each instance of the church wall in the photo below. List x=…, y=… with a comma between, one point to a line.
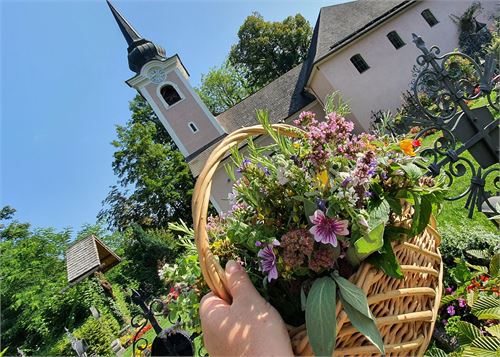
x=183, y=112
x=390, y=72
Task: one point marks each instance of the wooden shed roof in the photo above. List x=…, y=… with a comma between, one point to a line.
x=87, y=256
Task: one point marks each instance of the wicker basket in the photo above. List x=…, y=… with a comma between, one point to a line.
x=405, y=309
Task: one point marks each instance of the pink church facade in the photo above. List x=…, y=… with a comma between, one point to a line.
x=363, y=49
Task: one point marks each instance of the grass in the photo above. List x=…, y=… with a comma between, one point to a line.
x=454, y=213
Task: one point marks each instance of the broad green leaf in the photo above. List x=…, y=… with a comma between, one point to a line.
x=353, y=294
x=467, y=332
x=471, y=351
x=480, y=254
x=374, y=239
x=488, y=343
x=472, y=296
x=356, y=306
x=425, y=214
x=321, y=321
x=386, y=260
x=435, y=352
x=494, y=330
x=309, y=208
x=488, y=314
x=478, y=268
x=485, y=302
x=412, y=170
x=495, y=265
x=446, y=299
x=366, y=325
x=395, y=205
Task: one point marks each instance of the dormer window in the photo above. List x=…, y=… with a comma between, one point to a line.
x=359, y=63
x=170, y=94
x=396, y=41
x=429, y=17
x=193, y=127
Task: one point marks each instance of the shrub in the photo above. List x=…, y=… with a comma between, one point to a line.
x=456, y=240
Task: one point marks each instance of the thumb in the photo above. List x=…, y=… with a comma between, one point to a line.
x=239, y=283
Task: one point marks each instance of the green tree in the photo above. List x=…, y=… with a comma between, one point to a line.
x=223, y=87
x=266, y=50
x=154, y=181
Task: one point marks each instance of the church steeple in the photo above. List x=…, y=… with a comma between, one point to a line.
x=140, y=51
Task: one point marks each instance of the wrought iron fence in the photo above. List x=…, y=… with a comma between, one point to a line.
x=447, y=89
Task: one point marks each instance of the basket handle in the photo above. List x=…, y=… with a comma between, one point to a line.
x=213, y=273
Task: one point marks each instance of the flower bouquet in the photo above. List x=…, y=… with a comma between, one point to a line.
x=335, y=230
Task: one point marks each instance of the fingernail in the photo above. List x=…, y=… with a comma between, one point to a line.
x=232, y=266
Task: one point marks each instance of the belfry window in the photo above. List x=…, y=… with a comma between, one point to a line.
x=429, y=17
x=170, y=94
x=396, y=41
x=359, y=63
x=193, y=127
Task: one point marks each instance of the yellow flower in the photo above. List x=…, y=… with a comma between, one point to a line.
x=296, y=145
x=406, y=146
x=322, y=177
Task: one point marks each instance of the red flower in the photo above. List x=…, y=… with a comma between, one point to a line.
x=416, y=143
x=484, y=278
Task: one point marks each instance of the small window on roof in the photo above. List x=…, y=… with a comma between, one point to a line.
x=359, y=63
x=170, y=94
x=429, y=17
x=396, y=41
x=193, y=127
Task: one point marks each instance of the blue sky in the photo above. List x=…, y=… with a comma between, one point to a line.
x=63, y=67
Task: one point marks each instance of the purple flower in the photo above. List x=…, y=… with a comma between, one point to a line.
x=325, y=230
x=345, y=182
x=263, y=168
x=321, y=204
x=449, y=291
x=244, y=165
x=461, y=302
x=444, y=322
x=451, y=310
x=268, y=259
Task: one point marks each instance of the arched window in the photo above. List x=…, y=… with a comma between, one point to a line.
x=359, y=63
x=193, y=127
x=396, y=41
x=169, y=94
x=429, y=17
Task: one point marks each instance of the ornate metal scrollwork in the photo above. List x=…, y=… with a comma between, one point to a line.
x=443, y=90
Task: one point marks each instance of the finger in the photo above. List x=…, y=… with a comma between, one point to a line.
x=240, y=285
x=211, y=304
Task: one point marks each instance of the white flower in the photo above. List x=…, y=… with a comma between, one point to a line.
x=282, y=176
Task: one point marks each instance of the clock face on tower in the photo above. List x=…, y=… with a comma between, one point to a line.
x=156, y=74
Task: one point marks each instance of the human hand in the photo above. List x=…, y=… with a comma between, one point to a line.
x=250, y=326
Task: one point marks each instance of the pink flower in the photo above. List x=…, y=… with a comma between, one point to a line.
x=451, y=310
x=461, y=302
x=268, y=259
x=325, y=230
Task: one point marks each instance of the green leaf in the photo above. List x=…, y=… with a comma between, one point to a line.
x=303, y=298
x=487, y=343
x=356, y=306
x=472, y=297
x=413, y=171
x=467, y=332
x=321, y=321
x=446, y=299
x=374, y=239
x=395, y=205
x=480, y=254
x=425, y=214
x=309, y=208
x=489, y=314
x=495, y=265
x=494, y=330
x=435, y=352
x=386, y=260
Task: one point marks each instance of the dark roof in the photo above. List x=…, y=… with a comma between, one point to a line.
x=140, y=51
x=281, y=98
x=284, y=96
x=86, y=256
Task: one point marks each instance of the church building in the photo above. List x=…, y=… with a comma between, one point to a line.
x=361, y=48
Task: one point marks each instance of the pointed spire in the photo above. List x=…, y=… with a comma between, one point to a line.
x=140, y=50
x=127, y=30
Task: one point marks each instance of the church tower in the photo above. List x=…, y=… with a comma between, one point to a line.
x=163, y=82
